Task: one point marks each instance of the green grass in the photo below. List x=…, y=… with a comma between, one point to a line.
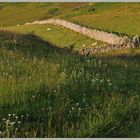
x=48, y=91
x=59, y=36
x=113, y=17
x=56, y=93
x=20, y=13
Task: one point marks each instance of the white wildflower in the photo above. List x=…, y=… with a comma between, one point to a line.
x=72, y=108
x=77, y=104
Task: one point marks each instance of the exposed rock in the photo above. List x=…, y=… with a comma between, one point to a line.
x=103, y=49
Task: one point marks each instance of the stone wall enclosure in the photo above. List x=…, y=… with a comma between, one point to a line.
x=112, y=39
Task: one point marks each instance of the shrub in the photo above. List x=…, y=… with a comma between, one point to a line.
x=91, y=8
x=54, y=11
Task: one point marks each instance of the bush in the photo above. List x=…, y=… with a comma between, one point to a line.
x=91, y=8
x=54, y=11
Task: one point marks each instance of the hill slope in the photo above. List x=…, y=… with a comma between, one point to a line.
x=48, y=92
x=19, y=13
x=115, y=17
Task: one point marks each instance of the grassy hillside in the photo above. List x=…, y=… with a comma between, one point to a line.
x=19, y=13
x=48, y=92
x=112, y=17
x=59, y=36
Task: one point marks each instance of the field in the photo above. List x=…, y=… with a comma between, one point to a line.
x=27, y=12
x=112, y=17
x=56, y=35
x=49, y=91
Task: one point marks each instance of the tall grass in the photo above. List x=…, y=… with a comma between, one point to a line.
x=46, y=92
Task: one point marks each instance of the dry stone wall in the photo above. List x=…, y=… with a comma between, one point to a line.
x=102, y=49
x=115, y=41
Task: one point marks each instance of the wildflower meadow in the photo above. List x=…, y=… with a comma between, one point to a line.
x=46, y=91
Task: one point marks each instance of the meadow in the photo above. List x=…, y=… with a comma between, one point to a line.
x=58, y=36
x=47, y=91
x=122, y=18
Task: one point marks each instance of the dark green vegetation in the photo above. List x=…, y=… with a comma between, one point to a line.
x=46, y=91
